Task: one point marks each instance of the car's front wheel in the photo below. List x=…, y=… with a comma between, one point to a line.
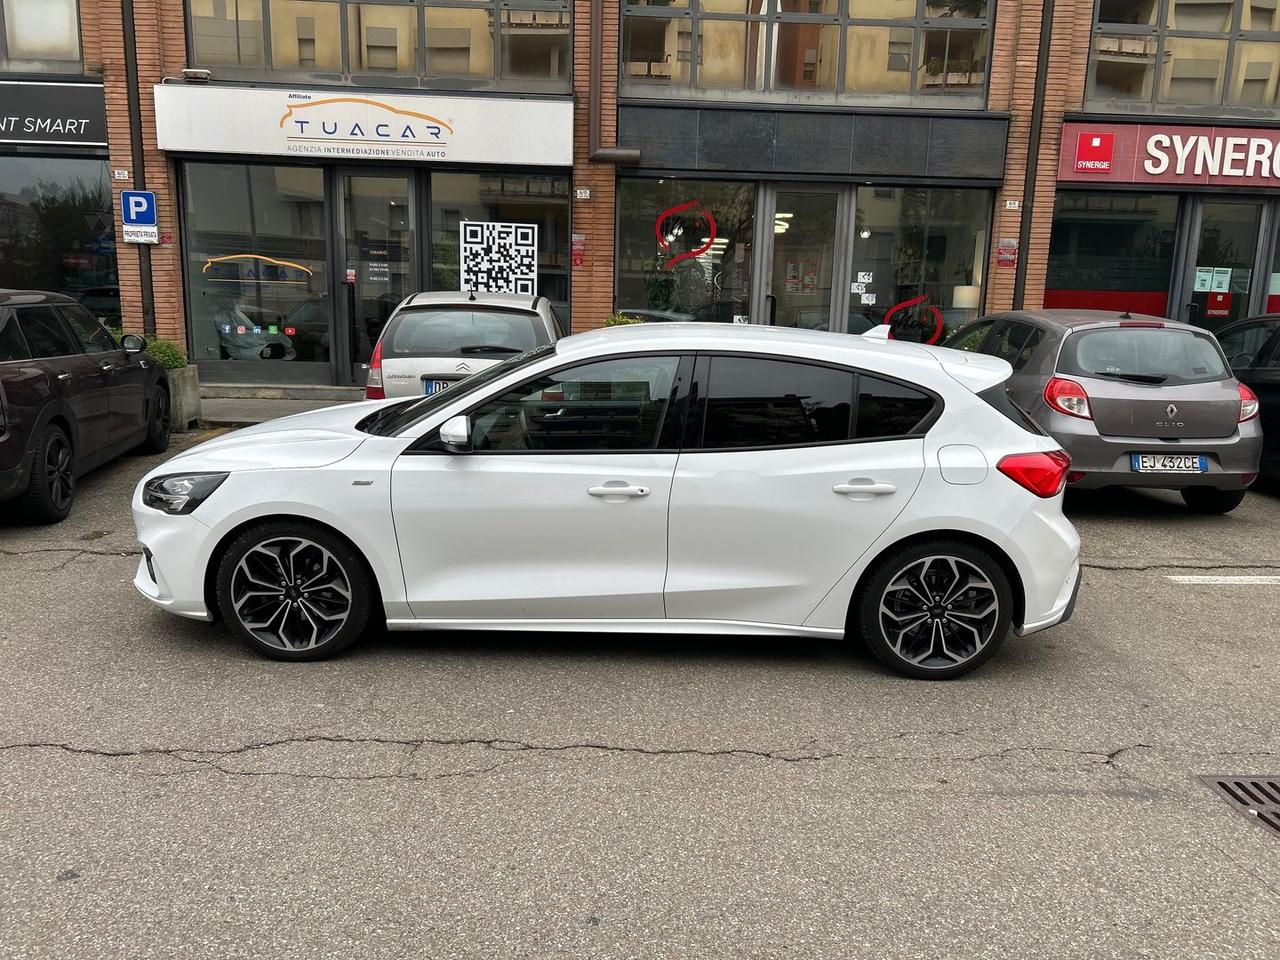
x=935, y=610
x=294, y=590
x=1209, y=500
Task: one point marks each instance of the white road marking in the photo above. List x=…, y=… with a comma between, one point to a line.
x=1247, y=580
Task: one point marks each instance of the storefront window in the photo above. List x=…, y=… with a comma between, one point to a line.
x=1111, y=251
x=1201, y=57
x=684, y=249
x=460, y=40
x=57, y=231
x=257, y=266
x=504, y=198
x=918, y=259
x=40, y=35
x=861, y=50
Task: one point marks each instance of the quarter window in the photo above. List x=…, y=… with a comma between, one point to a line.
x=91, y=334
x=609, y=405
x=45, y=332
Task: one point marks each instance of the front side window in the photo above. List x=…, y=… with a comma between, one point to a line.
x=91, y=334
x=1187, y=55
x=1244, y=344
x=970, y=339
x=614, y=405
x=896, y=51
x=40, y=35
x=45, y=333
x=460, y=44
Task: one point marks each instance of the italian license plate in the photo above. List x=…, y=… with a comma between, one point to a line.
x=1169, y=463
x=433, y=386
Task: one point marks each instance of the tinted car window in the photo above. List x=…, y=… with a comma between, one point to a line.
x=970, y=338
x=459, y=332
x=772, y=403
x=12, y=345
x=1144, y=354
x=1242, y=344
x=888, y=409
x=618, y=404
x=45, y=332
x=91, y=334
x=998, y=397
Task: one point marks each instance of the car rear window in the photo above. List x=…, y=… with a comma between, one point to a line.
x=1143, y=354
x=463, y=332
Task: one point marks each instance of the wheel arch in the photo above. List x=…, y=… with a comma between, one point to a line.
x=978, y=541
x=220, y=551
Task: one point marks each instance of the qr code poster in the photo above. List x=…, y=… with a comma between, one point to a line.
x=499, y=257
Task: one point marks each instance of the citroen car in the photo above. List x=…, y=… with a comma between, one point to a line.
x=1137, y=401
x=659, y=478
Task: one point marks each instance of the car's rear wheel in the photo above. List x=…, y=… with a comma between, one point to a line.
x=1209, y=500
x=294, y=590
x=51, y=488
x=160, y=425
x=935, y=610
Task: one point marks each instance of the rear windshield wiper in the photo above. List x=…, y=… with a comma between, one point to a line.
x=1132, y=377
x=489, y=348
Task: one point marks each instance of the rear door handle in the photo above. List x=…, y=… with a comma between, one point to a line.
x=864, y=488
x=618, y=488
x=64, y=376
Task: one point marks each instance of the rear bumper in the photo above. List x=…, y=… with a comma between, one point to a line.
x=1045, y=548
x=1105, y=461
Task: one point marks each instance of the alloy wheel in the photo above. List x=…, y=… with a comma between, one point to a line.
x=59, y=480
x=939, y=611
x=291, y=593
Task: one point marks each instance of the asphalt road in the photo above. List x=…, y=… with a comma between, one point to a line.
x=165, y=793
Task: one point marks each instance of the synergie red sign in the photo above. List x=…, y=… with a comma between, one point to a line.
x=1170, y=154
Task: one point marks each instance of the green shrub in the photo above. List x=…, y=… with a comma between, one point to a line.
x=167, y=353
x=622, y=319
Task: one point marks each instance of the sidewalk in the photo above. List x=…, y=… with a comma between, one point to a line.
x=240, y=405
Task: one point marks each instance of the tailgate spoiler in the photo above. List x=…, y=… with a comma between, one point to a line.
x=977, y=371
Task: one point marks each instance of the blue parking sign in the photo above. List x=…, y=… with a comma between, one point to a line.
x=138, y=219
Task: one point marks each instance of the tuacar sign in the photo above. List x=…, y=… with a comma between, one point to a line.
x=1164, y=154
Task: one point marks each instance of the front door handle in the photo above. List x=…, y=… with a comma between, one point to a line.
x=105, y=366
x=618, y=488
x=862, y=487
x=64, y=376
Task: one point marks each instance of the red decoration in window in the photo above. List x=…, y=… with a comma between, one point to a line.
x=671, y=212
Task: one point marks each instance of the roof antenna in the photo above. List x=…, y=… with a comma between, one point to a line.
x=472, y=296
x=1126, y=315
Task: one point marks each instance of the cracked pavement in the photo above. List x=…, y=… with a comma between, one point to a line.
x=165, y=793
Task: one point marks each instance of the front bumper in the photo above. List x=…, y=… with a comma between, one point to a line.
x=171, y=571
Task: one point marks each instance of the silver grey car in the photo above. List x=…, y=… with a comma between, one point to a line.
x=435, y=339
x=1136, y=401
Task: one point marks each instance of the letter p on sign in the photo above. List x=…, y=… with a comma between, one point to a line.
x=138, y=216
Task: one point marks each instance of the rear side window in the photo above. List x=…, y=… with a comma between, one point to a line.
x=463, y=332
x=889, y=409
x=1143, y=355
x=46, y=334
x=1015, y=342
x=12, y=346
x=773, y=403
x=92, y=335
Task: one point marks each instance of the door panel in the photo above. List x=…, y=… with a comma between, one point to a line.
x=805, y=252
x=76, y=376
x=763, y=535
x=520, y=536
x=126, y=377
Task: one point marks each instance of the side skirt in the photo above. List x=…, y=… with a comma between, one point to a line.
x=712, y=627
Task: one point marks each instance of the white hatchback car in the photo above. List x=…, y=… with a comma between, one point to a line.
x=675, y=478
x=435, y=339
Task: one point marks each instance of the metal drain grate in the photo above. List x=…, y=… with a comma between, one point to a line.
x=1255, y=797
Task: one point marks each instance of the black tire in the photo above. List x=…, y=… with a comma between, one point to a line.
x=952, y=639
x=160, y=423
x=283, y=634
x=1209, y=500
x=51, y=488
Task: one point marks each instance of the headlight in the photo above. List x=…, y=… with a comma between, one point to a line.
x=182, y=492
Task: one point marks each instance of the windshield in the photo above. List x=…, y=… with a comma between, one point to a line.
x=462, y=332
x=391, y=419
x=1153, y=355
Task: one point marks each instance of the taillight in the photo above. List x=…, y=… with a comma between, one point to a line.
x=1044, y=474
x=1248, y=404
x=373, y=387
x=1067, y=396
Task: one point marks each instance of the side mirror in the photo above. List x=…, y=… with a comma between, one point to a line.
x=455, y=434
x=132, y=343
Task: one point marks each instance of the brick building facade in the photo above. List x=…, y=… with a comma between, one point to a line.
x=807, y=164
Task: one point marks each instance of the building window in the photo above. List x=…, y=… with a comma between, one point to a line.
x=257, y=262
x=877, y=51
x=40, y=35
x=524, y=44
x=685, y=248
x=1185, y=55
x=57, y=231
x=1112, y=251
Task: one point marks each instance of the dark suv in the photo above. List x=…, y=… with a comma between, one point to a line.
x=71, y=398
